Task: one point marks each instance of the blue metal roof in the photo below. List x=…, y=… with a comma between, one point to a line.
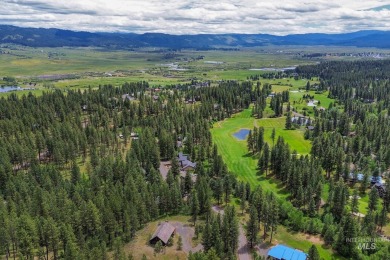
x=359, y=176
x=286, y=253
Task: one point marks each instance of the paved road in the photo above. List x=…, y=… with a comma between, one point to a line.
x=243, y=248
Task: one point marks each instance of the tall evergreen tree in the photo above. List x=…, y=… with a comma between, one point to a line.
x=313, y=253
x=194, y=204
x=252, y=227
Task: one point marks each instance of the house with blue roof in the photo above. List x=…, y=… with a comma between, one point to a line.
x=282, y=252
x=356, y=176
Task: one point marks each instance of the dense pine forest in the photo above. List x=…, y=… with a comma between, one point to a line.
x=50, y=206
x=79, y=171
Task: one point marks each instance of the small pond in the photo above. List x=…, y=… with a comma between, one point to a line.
x=242, y=134
x=8, y=89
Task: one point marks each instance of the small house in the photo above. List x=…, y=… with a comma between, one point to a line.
x=163, y=233
x=128, y=97
x=377, y=179
x=356, y=176
x=310, y=128
x=134, y=136
x=185, y=164
x=190, y=101
x=282, y=252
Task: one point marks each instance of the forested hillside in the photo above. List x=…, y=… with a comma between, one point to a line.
x=50, y=206
x=79, y=171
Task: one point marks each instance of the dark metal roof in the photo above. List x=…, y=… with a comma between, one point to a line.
x=164, y=232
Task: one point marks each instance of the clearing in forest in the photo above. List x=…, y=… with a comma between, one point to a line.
x=235, y=153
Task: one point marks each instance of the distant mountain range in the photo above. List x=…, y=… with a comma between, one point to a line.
x=38, y=37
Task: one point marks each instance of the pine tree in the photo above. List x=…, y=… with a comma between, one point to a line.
x=119, y=253
x=273, y=217
x=368, y=225
x=288, y=124
x=179, y=243
x=373, y=200
x=175, y=168
x=252, y=226
x=229, y=230
x=207, y=237
x=250, y=141
x=312, y=207
x=307, y=86
x=75, y=173
x=355, y=202
x=216, y=235
x=313, y=253
x=243, y=202
x=382, y=220
x=227, y=187
x=266, y=157
x=194, y=202
x=273, y=136
x=348, y=232
x=158, y=247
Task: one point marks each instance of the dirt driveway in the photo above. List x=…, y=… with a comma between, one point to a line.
x=243, y=252
x=186, y=232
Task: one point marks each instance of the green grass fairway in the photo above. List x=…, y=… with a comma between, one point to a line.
x=235, y=153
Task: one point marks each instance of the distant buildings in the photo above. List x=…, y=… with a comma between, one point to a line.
x=376, y=182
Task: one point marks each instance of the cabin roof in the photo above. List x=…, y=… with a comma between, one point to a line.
x=164, y=232
x=286, y=253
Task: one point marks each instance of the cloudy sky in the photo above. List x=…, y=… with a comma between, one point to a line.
x=201, y=16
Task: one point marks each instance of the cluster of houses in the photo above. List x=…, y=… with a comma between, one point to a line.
x=376, y=181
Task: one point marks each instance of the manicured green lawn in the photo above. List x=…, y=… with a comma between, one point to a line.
x=235, y=153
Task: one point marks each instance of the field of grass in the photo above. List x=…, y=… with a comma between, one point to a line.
x=235, y=153
x=27, y=61
x=83, y=67
x=300, y=104
x=303, y=242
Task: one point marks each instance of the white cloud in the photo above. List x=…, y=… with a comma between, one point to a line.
x=202, y=16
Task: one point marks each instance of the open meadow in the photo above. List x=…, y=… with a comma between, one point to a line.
x=80, y=68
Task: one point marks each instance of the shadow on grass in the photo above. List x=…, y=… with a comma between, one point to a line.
x=248, y=155
x=281, y=189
